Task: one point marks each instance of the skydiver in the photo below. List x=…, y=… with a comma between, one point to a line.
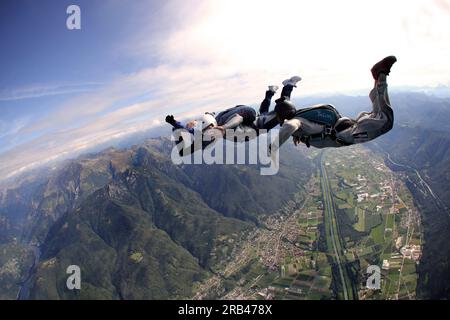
x=242, y=118
x=345, y=131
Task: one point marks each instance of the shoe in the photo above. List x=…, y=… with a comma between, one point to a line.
x=273, y=89
x=292, y=81
x=383, y=66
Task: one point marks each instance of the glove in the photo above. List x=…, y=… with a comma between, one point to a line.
x=170, y=119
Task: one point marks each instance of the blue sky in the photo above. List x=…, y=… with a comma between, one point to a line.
x=133, y=62
x=43, y=64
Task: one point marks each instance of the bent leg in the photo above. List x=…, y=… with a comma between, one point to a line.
x=379, y=96
x=233, y=121
x=265, y=104
x=233, y=117
x=285, y=93
x=370, y=125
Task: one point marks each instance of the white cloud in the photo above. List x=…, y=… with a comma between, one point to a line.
x=47, y=90
x=331, y=43
x=215, y=54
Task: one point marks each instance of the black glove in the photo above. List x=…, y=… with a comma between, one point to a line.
x=170, y=119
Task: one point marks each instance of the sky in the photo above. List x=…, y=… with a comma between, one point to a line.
x=131, y=63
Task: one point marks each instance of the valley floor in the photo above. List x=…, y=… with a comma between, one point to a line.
x=355, y=212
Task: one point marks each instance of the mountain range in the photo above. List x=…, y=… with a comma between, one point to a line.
x=141, y=227
x=138, y=226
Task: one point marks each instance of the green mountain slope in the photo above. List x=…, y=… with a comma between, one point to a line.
x=140, y=227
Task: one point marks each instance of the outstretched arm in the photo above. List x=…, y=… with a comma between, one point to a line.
x=176, y=124
x=287, y=129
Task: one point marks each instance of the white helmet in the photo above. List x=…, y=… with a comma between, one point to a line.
x=208, y=119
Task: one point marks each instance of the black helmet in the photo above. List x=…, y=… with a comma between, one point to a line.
x=285, y=110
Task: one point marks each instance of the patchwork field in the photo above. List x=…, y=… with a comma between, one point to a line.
x=319, y=246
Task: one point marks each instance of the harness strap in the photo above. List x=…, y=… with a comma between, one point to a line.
x=328, y=131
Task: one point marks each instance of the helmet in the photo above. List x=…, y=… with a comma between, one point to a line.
x=208, y=119
x=285, y=109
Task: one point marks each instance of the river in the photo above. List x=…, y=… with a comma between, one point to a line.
x=425, y=186
x=25, y=288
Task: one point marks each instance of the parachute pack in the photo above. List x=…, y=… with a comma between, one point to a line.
x=324, y=114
